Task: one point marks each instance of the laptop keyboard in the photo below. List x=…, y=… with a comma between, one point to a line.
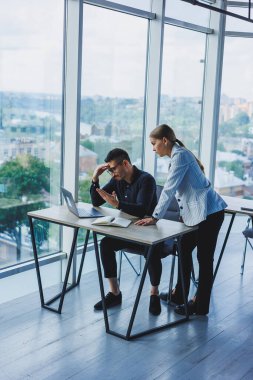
x=82, y=212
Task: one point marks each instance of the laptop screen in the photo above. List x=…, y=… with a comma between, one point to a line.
x=69, y=201
x=86, y=211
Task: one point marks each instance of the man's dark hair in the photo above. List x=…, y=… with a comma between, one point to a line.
x=118, y=155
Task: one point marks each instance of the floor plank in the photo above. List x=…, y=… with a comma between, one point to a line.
x=38, y=344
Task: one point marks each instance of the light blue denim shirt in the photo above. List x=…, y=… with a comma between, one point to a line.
x=195, y=196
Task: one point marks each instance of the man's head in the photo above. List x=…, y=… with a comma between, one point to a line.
x=120, y=166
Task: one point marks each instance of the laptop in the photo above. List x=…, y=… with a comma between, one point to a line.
x=86, y=211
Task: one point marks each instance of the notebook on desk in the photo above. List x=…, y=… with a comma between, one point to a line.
x=86, y=211
x=111, y=221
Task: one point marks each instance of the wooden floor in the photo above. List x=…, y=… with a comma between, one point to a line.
x=38, y=344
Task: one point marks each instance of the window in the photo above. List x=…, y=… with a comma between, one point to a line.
x=113, y=83
x=234, y=158
x=30, y=91
x=181, y=10
x=181, y=89
x=235, y=24
x=141, y=4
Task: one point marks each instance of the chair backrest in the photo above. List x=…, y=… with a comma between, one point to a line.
x=172, y=212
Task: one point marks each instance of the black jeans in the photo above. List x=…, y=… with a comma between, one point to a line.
x=205, y=239
x=108, y=247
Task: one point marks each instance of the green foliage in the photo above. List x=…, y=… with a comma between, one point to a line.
x=235, y=166
x=242, y=118
x=88, y=144
x=16, y=214
x=103, y=146
x=237, y=126
x=84, y=190
x=239, y=152
x=180, y=112
x=120, y=112
x=221, y=147
x=26, y=175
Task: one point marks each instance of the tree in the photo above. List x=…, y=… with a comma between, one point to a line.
x=237, y=126
x=221, y=147
x=14, y=216
x=26, y=183
x=242, y=118
x=235, y=166
x=25, y=175
x=84, y=190
x=239, y=152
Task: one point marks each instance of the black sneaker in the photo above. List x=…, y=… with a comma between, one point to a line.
x=155, y=305
x=110, y=301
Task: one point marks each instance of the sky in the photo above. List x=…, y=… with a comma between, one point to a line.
x=114, y=51
x=31, y=45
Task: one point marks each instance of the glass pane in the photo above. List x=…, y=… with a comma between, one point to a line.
x=194, y=14
x=30, y=122
x=237, y=25
x=113, y=81
x=234, y=159
x=144, y=5
x=181, y=90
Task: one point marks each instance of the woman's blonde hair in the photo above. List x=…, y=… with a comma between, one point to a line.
x=164, y=130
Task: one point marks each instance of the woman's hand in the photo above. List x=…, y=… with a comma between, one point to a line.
x=146, y=222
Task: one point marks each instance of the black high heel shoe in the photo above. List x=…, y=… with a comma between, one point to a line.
x=170, y=298
x=192, y=309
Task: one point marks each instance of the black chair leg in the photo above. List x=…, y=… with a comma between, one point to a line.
x=246, y=243
x=137, y=271
x=244, y=256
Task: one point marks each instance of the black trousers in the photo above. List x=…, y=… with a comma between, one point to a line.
x=205, y=239
x=109, y=246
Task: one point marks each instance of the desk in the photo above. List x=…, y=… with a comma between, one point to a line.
x=233, y=208
x=147, y=236
x=61, y=216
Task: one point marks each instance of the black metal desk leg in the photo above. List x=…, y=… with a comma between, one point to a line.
x=65, y=283
x=182, y=276
x=137, y=299
x=148, y=252
x=100, y=278
x=83, y=256
x=36, y=261
x=65, y=289
x=224, y=246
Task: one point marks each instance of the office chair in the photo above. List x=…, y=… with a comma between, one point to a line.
x=169, y=246
x=248, y=234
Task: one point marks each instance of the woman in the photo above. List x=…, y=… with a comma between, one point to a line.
x=199, y=205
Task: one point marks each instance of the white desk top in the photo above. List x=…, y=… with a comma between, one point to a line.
x=149, y=235
x=235, y=204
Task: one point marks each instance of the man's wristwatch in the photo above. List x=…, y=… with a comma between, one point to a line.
x=155, y=219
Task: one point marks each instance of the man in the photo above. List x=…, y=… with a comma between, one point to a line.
x=133, y=191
